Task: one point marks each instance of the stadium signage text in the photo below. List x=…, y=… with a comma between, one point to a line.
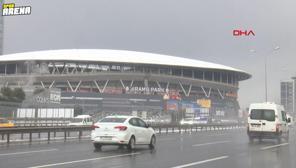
x=12, y=10
x=205, y=103
x=146, y=89
x=243, y=33
x=53, y=98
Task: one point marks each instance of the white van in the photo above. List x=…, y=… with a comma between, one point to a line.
x=81, y=120
x=267, y=121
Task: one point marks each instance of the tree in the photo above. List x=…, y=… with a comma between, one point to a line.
x=19, y=94
x=15, y=95
x=6, y=93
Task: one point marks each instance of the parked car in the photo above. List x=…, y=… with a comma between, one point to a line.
x=81, y=120
x=267, y=121
x=4, y=123
x=123, y=131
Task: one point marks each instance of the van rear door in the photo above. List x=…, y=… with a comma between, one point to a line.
x=255, y=120
x=262, y=120
x=268, y=121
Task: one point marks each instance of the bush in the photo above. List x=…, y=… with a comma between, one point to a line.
x=15, y=95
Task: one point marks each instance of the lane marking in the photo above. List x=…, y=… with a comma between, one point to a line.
x=211, y=143
x=84, y=160
x=274, y=146
x=19, y=153
x=201, y=162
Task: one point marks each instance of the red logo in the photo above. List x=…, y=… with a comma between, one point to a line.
x=243, y=33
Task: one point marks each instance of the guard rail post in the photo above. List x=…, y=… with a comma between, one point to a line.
x=79, y=135
x=48, y=136
x=65, y=135
x=8, y=138
x=30, y=137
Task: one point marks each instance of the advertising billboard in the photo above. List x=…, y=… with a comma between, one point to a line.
x=205, y=103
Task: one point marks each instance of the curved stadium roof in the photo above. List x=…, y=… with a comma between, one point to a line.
x=118, y=56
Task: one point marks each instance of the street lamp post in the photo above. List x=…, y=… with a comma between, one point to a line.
x=265, y=70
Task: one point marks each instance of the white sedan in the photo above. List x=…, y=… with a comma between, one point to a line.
x=123, y=131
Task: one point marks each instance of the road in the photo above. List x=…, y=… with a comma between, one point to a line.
x=215, y=149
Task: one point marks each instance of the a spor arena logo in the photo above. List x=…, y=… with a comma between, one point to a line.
x=12, y=10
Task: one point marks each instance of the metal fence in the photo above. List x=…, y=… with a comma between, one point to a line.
x=64, y=131
x=41, y=122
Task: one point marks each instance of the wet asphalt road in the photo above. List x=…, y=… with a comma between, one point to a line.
x=213, y=149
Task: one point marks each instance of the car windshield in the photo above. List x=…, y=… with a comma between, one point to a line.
x=262, y=114
x=77, y=120
x=112, y=120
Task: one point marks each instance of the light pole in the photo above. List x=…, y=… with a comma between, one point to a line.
x=265, y=68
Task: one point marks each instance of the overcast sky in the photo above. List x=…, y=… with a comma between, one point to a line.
x=198, y=29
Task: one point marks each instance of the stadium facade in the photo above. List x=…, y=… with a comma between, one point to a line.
x=116, y=81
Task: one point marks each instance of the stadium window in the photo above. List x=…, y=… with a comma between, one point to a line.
x=154, y=70
x=208, y=75
x=103, y=67
x=224, y=77
x=187, y=73
x=10, y=69
x=92, y=67
x=2, y=68
x=164, y=71
x=235, y=80
x=128, y=68
x=146, y=69
x=216, y=76
x=230, y=79
x=176, y=72
x=114, y=68
x=139, y=69
x=198, y=74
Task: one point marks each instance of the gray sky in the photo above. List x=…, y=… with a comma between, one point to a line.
x=199, y=29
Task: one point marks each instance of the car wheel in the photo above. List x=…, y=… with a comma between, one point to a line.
x=98, y=146
x=132, y=143
x=152, y=142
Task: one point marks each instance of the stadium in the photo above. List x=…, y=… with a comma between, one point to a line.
x=117, y=81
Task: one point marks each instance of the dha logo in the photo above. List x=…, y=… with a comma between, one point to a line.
x=12, y=10
x=243, y=33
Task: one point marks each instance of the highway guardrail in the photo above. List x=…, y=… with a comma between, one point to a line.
x=160, y=129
